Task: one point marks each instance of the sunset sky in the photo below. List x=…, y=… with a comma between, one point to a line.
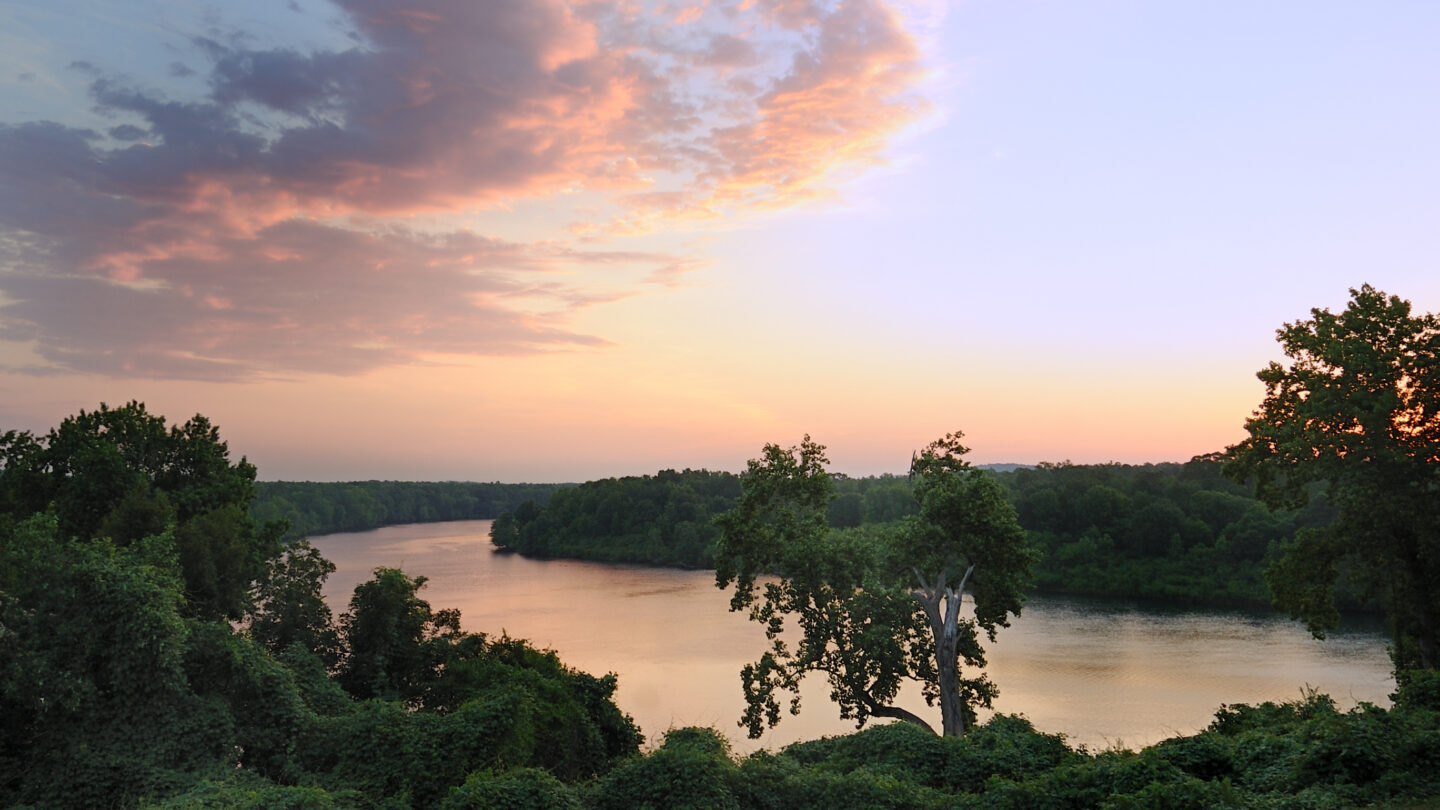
x=547, y=241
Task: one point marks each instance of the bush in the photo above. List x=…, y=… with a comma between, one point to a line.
x=1203, y=756
x=692, y=769
x=515, y=789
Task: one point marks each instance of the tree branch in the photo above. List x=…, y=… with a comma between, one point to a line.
x=952, y=608
x=968, y=571
x=897, y=713
x=924, y=586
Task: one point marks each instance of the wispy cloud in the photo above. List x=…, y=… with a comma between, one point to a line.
x=264, y=227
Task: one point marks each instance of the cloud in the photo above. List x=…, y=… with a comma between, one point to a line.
x=303, y=297
x=255, y=229
x=834, y=110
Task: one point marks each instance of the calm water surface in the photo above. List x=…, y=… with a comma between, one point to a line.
x=1102, y=673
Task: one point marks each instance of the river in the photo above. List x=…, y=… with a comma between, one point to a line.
x=1102, y=673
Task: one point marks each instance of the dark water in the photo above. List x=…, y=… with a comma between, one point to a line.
x=1102, y=673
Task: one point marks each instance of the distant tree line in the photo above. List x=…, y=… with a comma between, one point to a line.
x=1173, y=531
x=662, y=519
x=1180, y=532
x=311, y=508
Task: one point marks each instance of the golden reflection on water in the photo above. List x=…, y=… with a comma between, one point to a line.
x=1100, y=673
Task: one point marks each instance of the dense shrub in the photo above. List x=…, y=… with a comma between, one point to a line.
x=515, y=789
x=692, y=770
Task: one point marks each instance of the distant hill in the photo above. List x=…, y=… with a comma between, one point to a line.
x=1005, y=468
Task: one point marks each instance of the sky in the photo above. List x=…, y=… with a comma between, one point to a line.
x=548, y=241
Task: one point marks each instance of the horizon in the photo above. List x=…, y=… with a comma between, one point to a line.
x=987, y=466
x=551, y=241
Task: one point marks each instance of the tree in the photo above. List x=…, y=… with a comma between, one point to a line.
x=290, y=605
x=874, y=608
x=94, y=698
x=965, y=528
x=121, y=473
x=395, y=644
x=1356, y=415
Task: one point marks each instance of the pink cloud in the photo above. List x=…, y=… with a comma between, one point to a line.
x=249, y=226
x=310, y=297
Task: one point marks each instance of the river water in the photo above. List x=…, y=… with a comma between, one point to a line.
x=1102, y=673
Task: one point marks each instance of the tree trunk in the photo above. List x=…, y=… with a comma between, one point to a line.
x=942, y=607
x=952, y=710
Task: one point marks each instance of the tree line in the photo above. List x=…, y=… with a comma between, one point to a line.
x=1178, y=532
x=1181, y=532
x=310, y=508
x=662, y=519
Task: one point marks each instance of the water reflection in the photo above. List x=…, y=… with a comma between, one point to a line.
x=1102, y=673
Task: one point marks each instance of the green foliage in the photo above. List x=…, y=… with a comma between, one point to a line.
x=887, y=498
x=578, y=728
x=290, y=607
x=779, y=783
x=1357, y=411
x=515, y=789
x=1301, y=754
x=93, y=688
x=122, y=474
x=383, y=750
x=220, y=558
x=1006, y=746
x=320, y=693
x=258, y=709
x=125, y=555
x=242, y=790
x=965, y=520
x=664, y=519
x=312, y=508
x=1203, y=756
x=395, y=644
x=669, y=518
x=965, y=536
x=874, y=607
x=1419, y=690
x=519, y=708
x=866, y=635
x=1179, y=532
x=691, y=771
x=1311, y=748
x=483, y=704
